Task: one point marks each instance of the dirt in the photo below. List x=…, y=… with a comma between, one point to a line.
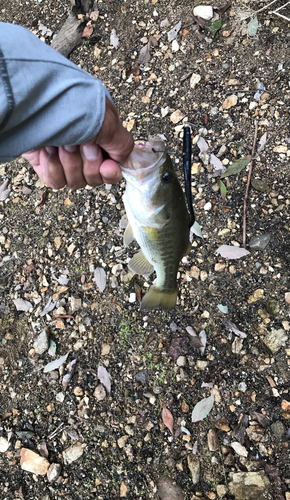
x=249, y=382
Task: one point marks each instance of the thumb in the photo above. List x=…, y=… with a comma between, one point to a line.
x=113, y=137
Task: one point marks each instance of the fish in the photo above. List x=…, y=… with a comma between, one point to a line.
x=158, y=220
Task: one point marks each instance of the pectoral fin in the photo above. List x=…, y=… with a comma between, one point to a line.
x=140, y=265
x=128, y=236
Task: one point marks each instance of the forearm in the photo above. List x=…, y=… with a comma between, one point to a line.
x=44, y=98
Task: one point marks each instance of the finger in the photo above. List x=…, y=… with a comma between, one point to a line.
x=113, y=137
x=92, y=159
x=110, y=172
x=72, y=163
x=32, y=157
x=50, y=168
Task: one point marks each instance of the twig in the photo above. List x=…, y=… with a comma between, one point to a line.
x=248, y=183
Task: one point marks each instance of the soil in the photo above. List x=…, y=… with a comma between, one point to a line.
x=126, y=446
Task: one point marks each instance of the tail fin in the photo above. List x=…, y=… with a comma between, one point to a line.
x=156, y=298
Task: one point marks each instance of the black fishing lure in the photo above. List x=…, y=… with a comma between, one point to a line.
x=186, y=153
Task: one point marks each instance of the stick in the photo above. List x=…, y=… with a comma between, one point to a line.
x=248, y=183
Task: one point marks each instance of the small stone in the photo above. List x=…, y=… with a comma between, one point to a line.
x=260, y=186
x=73, y=453
x=194, y=80
x=272, y=306
x=223, y=425
x=181, y=361
x=97, y=52
x=255, y=433
x=203, y=275
x=176, y=116
x=260, y=241
x=280, y=149
x=201, y=365
x=275, y=340
x=53, y=472
x=130, y=125
x=239, y=449
x=219, y=267
x=212, y=440
x=232, y=269
x=124, y=490
x=207, y=206
x=75, y=304
x=71, y=248
x=250, y=486
x=57, y=242
x=257, y=295
x=100, y=393
x=60, y=397
x=242, y=386
x=145, y=99
x=175, y=46
x=105, y=349
x=4, y=444
x=194, y=467
x=287, y=297
x=194, y=272
x=41, y=343
x=142, y=377
x=32, y=462
x=195, y=168
x=122, y=441
x=164, y=111
x=221, y=490
x=230, y=102
x=78, y=391
x=203, y=11
x=285, y=405
x=278, y=429
x=184, y=407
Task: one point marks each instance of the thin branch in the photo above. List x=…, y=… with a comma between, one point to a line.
x=248, y=183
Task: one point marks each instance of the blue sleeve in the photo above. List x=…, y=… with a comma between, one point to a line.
x=45, y=100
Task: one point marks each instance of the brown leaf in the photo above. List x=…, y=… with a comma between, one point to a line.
x=43, y=198
x=42, y=448
x=178, y=347
x=168, y=419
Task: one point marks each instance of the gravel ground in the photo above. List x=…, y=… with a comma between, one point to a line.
x=102, y=431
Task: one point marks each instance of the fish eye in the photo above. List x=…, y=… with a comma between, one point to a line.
x=166, y=177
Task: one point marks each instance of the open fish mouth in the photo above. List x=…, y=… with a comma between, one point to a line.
x=145, y=159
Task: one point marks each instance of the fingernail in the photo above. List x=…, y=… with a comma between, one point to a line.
x=50, y=149
x=91, y=151
x=70, y=149
x=110, y=174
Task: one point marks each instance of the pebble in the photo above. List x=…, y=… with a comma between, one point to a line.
x=250, y=486
x=212, y=440
x=207, y=206
x=230, y=101
x=124, y=490
x=203, y=11
x=239, y=449
x=221, y=490
x=177, y=116
x=122, y=441
x=181, y=361
x=4, y=444
x=287, y=297
x=53, y=472
x=194, y=80
x=278, y=429
x=260, y=241
x=194, y=467
x=275, y=340
x=100, y=393
x=142, y=377
x=164, y=111
x=175, y=46
x=242, y=386
x=195, y=272
x=272, y=306
x=257, y=295
x=73, y=453
x=280, y=149
x=41, y=343
x=201, y=365
x=32, y=462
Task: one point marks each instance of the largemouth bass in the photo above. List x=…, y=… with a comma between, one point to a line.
x=158, y=220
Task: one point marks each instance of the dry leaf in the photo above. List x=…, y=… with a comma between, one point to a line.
x=43, y=198
x=168, y=419
x=144, y=56
x=48, y=308
x=100, y=278
x=114, y=39
x=232, y=252
x=202, y=409
x=104, y=378
x=54, y=365
x=88, y=30
x=22, y=305
x=4, y=193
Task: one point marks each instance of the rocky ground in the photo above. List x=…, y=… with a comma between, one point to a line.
x=119, y=425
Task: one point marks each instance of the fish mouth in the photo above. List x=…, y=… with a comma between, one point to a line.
x=145, y=158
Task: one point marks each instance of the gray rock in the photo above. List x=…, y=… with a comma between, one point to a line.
x=142, y=377
x=278, y=429
x=181, y=361
x=168, y=490
x=275, y=340
x=53, y=472
x=250, y=486
x=72, y=453
x=194, y=467
x=41, y=343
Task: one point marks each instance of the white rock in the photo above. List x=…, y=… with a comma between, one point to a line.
x=203, y=11
x=194, y=80
x=72, y=453
x=53, y=472
x=4, y=444
x=175, y=46
x=239, y=449
x=132, y=297
x=207, y=206
x=164, y=111
x=41, y=344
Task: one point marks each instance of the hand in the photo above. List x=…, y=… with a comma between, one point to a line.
x=77, y=166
